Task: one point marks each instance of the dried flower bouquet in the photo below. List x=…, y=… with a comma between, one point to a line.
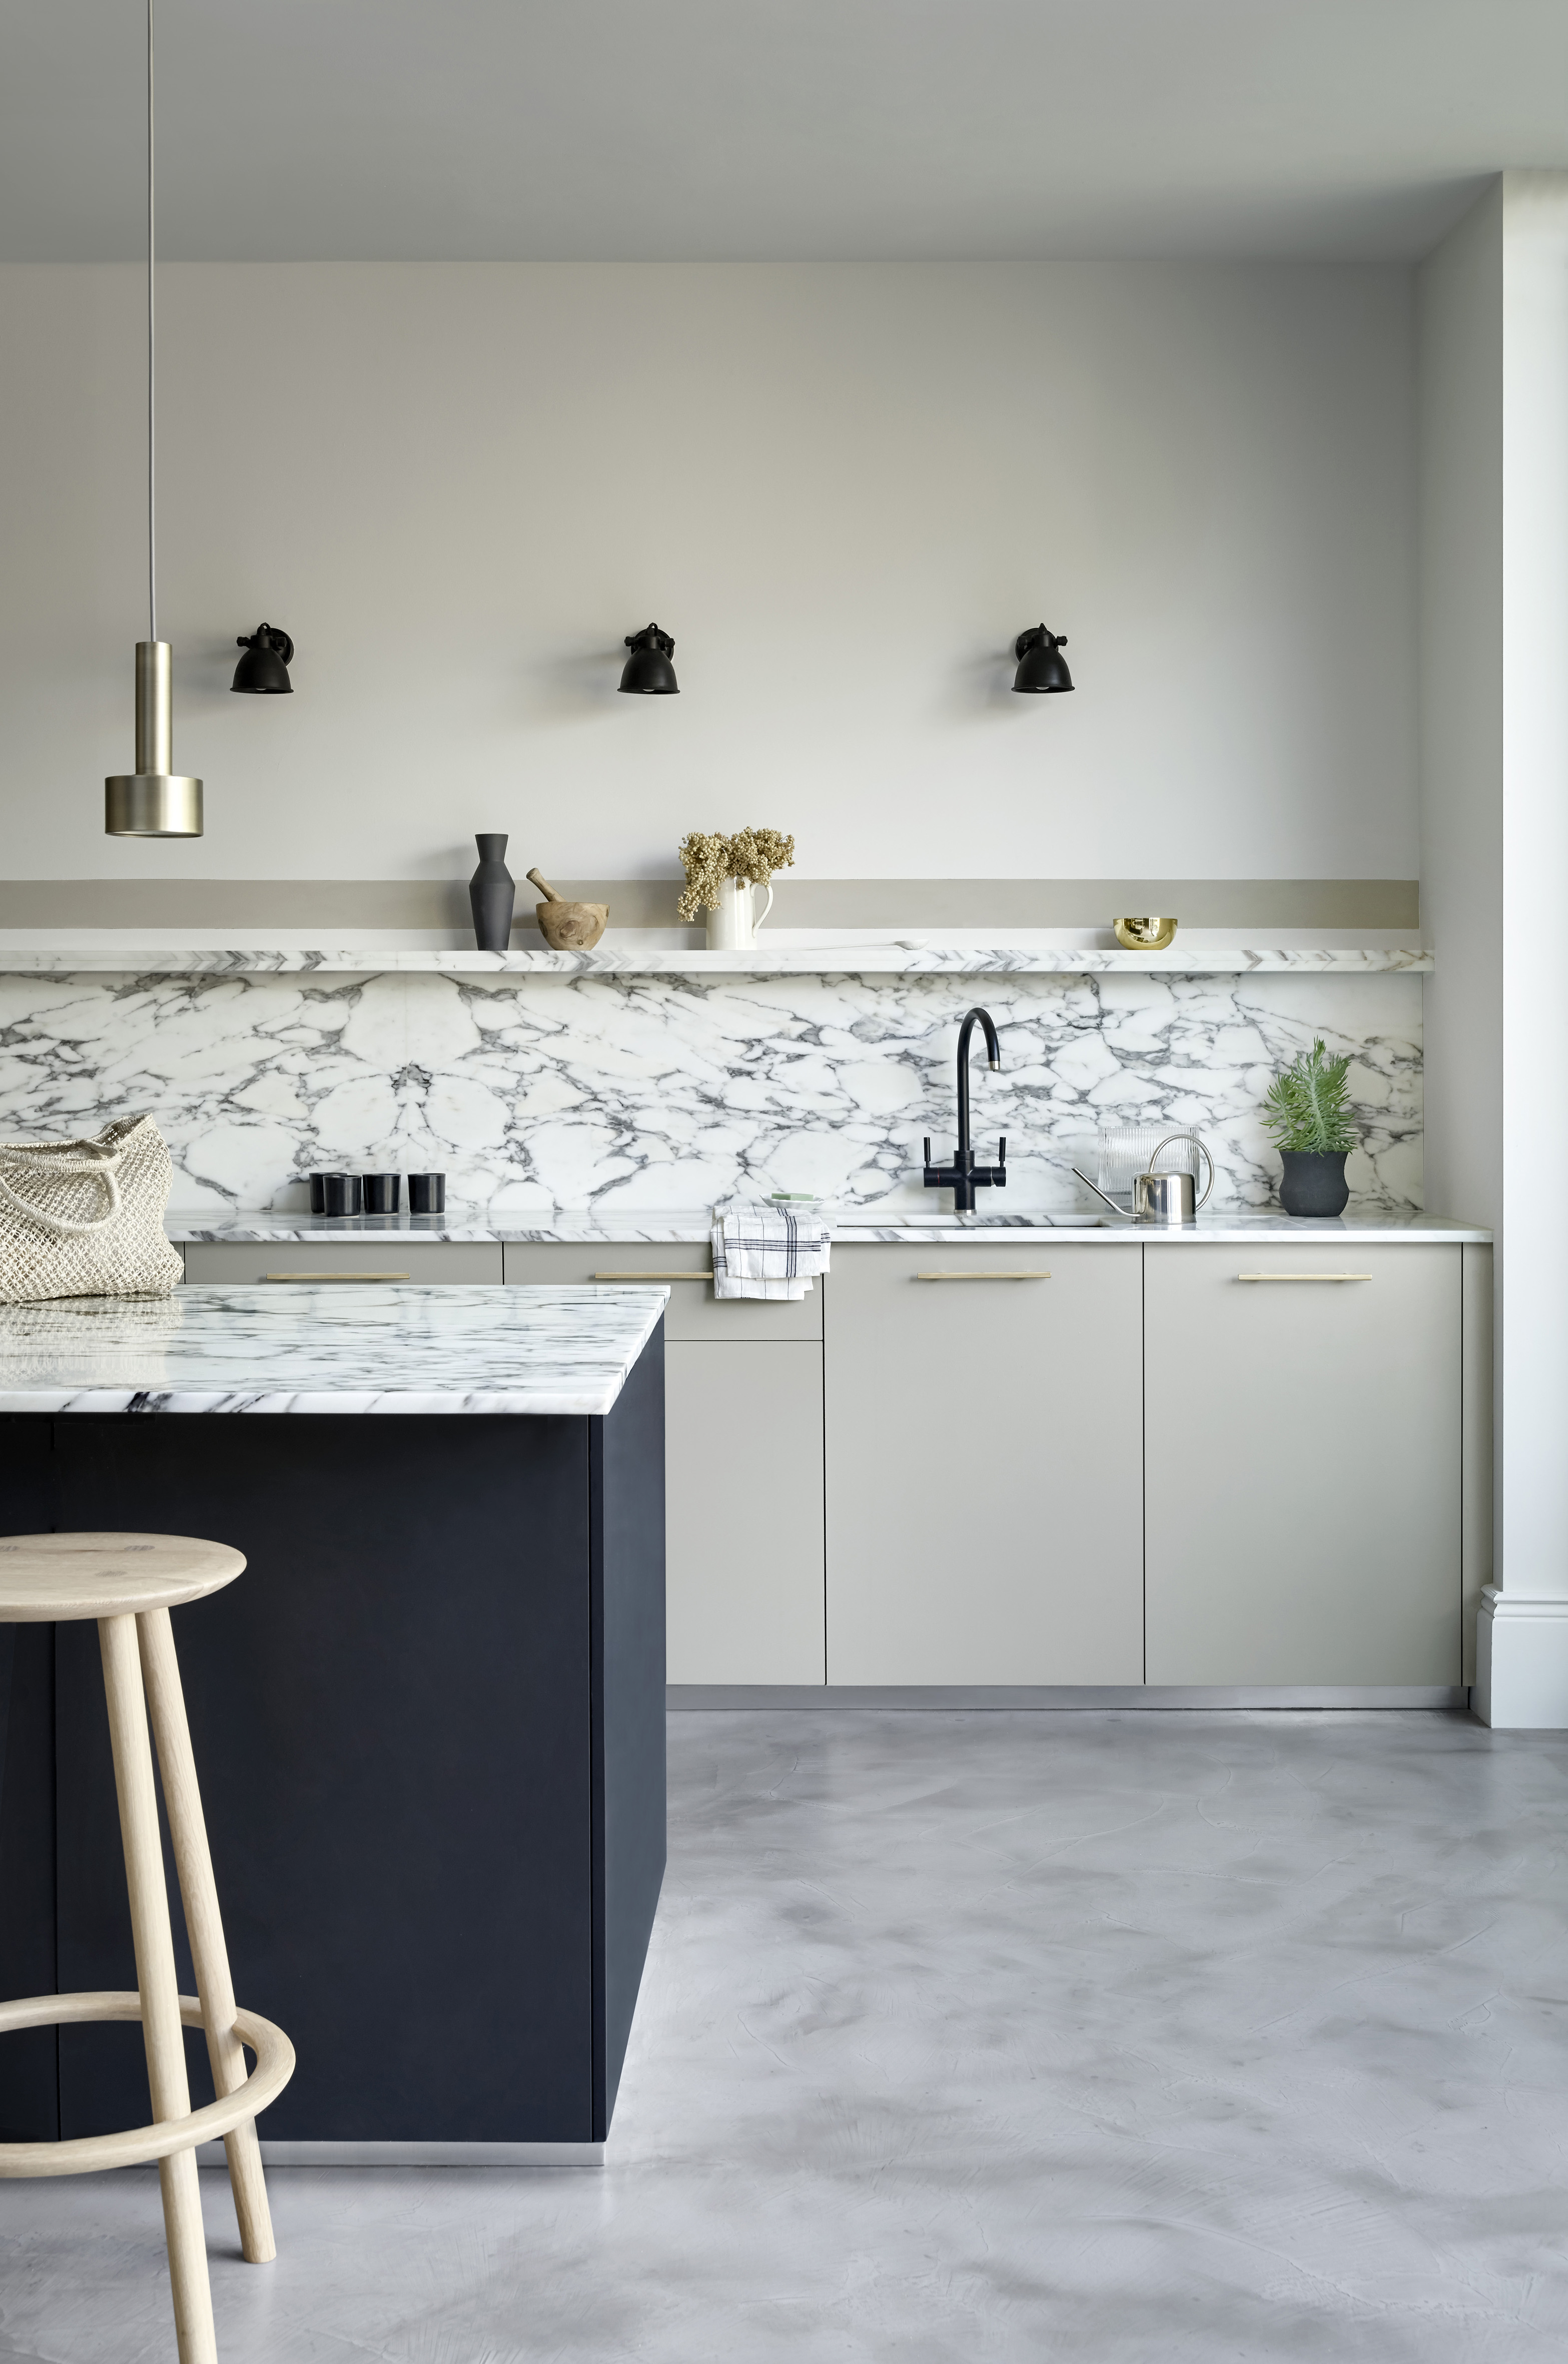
x=708, y=859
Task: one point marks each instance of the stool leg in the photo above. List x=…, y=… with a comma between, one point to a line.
x=155, y=1978
x=166, y=1699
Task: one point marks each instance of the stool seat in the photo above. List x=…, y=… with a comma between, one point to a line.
x=61, y=1578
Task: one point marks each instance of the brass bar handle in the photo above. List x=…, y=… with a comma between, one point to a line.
x=314, y=1277
x=982, y=1276
x=653, y=1276
x=1304, y=1276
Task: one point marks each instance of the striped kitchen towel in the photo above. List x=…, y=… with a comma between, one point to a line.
x=766, y=1251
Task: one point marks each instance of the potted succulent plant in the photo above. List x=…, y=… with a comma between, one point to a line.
x=1309, y=1112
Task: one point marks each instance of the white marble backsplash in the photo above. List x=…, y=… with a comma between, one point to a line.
x=626, y=1091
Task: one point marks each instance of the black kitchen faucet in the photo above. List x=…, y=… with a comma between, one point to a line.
x=963, y=1177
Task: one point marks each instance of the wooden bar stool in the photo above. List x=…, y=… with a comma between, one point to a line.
x=129, y=1583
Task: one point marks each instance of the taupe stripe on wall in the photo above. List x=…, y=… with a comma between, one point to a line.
x=325, y=903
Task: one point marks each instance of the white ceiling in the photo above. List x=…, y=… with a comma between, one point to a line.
x=330, y=129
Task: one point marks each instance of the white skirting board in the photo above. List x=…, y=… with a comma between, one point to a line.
x=697, y=1699
x=1521, y=1663
x=416, y=2154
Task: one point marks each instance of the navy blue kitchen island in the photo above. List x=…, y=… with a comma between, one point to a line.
x=429, y=1719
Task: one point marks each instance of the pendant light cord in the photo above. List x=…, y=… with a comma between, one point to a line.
x=152, y=364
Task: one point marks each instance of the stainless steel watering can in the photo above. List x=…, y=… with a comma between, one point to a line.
x=1161, y=1197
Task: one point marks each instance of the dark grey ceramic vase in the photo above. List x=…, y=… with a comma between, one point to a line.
x=1313, y=1181
x=492, y=891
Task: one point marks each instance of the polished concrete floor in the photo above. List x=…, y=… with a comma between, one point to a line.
x=1117, y=2037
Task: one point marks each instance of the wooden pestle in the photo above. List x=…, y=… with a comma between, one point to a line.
x=545, y=888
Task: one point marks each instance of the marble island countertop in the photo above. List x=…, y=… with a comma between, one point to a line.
x=561, y=1351
x=612, y=1226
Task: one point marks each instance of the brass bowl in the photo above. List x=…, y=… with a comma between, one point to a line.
x=571, y=927
x=1144, y=935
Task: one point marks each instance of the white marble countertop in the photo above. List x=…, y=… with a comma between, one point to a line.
x=1232, y=1224
x=612, y=1226
x=402, y=1350
x=904, y=955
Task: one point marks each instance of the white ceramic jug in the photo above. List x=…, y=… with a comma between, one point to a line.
x=734, y=925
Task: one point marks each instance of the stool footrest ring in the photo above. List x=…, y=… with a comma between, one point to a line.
x=86, y=2154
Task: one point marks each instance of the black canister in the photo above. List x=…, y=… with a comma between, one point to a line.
x=426, y=1194
x=382, y=1193
x=341, y=1195
x=317, y=1201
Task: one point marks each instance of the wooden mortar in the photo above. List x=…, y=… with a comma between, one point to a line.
x=567, y=927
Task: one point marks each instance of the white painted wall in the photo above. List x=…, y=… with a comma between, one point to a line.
x=843, y=488
x=1534, y=1342
x=1459, y=411
x=1494, y=354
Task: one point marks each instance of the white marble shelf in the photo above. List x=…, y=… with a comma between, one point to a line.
x=911, y=955
x=688, y=1225
x=553, y=1352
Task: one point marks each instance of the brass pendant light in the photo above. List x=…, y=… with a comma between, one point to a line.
x=154, y=800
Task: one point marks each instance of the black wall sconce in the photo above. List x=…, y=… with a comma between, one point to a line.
x=1040, y=665
x=264, y=668
x=649, y=672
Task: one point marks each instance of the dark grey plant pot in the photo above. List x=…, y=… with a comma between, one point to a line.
x=1313, y=1181
x=491, y=892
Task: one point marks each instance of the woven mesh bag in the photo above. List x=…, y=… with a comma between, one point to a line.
x=86, y=1218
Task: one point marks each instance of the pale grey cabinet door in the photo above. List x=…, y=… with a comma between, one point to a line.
x=984, y=1486
x=742, y=1462
x=1303, y=1470
x=743, y=1459
x=1476, y=1515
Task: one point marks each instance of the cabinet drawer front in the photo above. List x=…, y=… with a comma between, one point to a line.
x=386, y=1258
x=983, y=1440
x=687, y=1268
x=1303, y=1474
